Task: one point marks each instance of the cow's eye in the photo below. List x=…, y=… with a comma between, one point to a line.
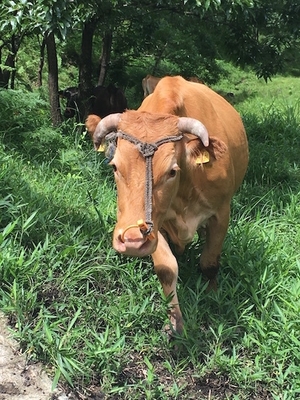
x=172, y=173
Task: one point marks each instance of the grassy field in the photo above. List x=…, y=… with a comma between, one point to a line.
x=95, y=318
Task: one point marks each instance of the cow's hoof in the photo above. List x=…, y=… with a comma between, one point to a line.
x=173, y=328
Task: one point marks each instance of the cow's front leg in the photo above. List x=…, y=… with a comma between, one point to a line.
x=166, y=268
x=216, y=230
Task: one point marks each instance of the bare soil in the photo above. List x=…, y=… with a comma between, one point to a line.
x=18, y=379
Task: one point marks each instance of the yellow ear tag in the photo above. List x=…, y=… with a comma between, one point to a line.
x=203, y=157
x=101, y=148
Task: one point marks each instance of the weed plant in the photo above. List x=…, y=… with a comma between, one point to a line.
x=95, y=318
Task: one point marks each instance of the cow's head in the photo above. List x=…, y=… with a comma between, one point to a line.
x=150, y=152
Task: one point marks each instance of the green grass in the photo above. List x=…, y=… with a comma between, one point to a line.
x=95, y=318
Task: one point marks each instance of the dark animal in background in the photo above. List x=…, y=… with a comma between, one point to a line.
x=102, y=101
x=71, y=95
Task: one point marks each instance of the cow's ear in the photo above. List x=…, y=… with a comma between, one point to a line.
x=197, y=153
x=91, y=123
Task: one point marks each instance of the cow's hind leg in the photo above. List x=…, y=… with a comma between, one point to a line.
x=166, y=268
x=216, y=230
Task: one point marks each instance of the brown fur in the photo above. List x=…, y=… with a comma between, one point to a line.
x=145, y=126
x=149, y=83
x=165, y=276
x=91, y=123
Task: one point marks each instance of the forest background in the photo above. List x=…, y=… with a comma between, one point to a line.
x=96, y=43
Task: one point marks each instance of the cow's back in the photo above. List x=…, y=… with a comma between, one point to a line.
x=175, y=95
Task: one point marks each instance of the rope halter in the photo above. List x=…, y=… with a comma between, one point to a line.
x=147, y=150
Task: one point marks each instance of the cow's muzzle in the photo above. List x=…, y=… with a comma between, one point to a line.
x=135, y=240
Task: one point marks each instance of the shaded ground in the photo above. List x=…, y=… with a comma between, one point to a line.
x=20, y=380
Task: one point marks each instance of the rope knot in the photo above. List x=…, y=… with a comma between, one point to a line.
x=147, y=149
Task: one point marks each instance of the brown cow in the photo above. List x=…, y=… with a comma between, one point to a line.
x=149, y=83
x=170, y=183
x=195, y=79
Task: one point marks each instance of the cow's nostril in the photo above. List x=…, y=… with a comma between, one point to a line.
x=120, y=238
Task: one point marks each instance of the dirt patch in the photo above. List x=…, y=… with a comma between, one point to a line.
x=20, y=380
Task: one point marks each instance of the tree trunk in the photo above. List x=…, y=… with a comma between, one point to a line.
x=9, y=73
x=53, y=79
x=105, y=56
x=14, y=50
x=41, y=64
x=5, y=72
x=85, y=86
x=85, y=67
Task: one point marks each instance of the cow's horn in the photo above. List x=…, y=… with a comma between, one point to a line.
x=195, y=127
x=106, y=125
